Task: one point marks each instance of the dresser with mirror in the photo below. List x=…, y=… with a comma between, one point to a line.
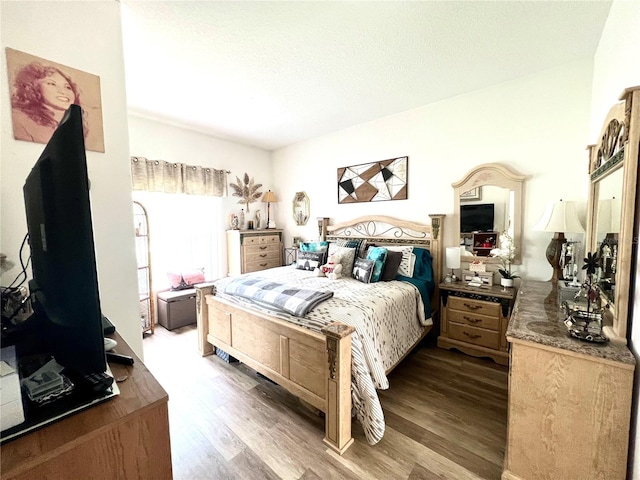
x=487, y=201
x=572, y=396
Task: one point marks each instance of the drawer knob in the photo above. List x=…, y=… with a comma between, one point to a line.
x=472, y=320
x=472, y=307
x=472, y=335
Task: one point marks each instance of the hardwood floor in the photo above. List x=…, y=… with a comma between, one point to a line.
x=446, y=416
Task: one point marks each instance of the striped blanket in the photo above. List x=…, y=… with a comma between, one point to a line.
x=285, y=297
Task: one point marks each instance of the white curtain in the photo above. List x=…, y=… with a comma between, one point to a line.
x=167, y=177
x=184, y=234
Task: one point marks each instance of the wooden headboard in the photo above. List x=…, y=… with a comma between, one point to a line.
x=385, y=230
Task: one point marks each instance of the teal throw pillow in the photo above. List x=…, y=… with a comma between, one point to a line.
x=314, y=246
x=379, y=255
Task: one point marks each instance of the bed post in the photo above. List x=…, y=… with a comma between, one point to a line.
x=338, y=409
x=437, y=224
x=322, y=228
x=202, y=316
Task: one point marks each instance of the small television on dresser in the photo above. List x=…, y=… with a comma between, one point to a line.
x=478, y=217
x=66, y=325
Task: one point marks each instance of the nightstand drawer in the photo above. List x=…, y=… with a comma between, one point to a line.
x=474, y=306
x=477, y=336
x=474, y=319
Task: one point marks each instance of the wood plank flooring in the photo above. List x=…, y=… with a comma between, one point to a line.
x=446, y=416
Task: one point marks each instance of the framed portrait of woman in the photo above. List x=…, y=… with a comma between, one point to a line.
x=42, y=90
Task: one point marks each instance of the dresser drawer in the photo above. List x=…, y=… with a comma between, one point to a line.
x=474, y=335
x=261, y=265
x=474, y=319
x=260, y=239
x=254, y=255
x=474, y=306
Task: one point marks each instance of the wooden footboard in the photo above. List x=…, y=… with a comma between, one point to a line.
x=316, y=367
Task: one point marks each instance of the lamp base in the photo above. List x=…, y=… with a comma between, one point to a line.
x=553, y=253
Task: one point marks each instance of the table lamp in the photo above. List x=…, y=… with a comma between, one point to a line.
x=559, y=217
x=452, y=260
x=270, y=198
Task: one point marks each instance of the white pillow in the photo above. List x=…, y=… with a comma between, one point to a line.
x=347, y=256
x=412, y=264
x=406, y=265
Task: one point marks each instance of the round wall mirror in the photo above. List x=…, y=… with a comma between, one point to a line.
x=301, y=208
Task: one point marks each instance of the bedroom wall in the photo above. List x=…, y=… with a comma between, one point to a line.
x=161, y=141
x=86, y=36
x=538, y=125
x=616, y=68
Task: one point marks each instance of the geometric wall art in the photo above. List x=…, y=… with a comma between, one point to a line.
x=373, y=182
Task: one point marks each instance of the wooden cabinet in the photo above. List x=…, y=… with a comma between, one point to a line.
x=474, y=319
x=480, y=244
x=253, y=250
x=124, y=437
x=569, y=401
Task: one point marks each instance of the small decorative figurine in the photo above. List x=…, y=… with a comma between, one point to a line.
x=587, y=324
x=235, y=223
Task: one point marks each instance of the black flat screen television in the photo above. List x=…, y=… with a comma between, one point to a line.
x=476, y=218
x=67, y=320
x=64, y=287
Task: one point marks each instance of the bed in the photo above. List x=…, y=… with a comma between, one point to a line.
x=338, y=354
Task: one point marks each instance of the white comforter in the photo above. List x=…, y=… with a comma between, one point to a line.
x=388, y=318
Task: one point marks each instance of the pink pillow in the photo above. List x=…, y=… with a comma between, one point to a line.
x=185, y=279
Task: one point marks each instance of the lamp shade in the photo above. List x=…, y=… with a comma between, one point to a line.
x=608, y=216
x=269, y=197
x=560, y=217
x=452, y=258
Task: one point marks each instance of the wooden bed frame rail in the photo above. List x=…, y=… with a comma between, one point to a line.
x=314, y=366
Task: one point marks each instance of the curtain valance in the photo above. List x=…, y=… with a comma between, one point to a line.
x=162, y=176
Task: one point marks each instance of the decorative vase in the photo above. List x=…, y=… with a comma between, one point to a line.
x=507, y=282
x=242, y=219
x=258, y=219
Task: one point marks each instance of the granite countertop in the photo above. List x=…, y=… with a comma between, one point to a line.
x=537, y=318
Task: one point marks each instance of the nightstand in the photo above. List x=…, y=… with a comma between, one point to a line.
x=290, y=255
x=474, y=319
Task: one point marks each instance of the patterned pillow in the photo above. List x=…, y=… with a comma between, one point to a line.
x=313, y=246
x=347, y=256
x=363, y=269
x=310, y=260
x=185, y=279
x=405, y=265
x=360, y=244
x=391, y=265
x=379, y=255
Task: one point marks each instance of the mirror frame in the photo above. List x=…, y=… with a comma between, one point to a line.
x=618, y=148
x=301, y=203
x=492, y=174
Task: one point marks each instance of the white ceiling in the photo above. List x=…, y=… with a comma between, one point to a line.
x=270, y=74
